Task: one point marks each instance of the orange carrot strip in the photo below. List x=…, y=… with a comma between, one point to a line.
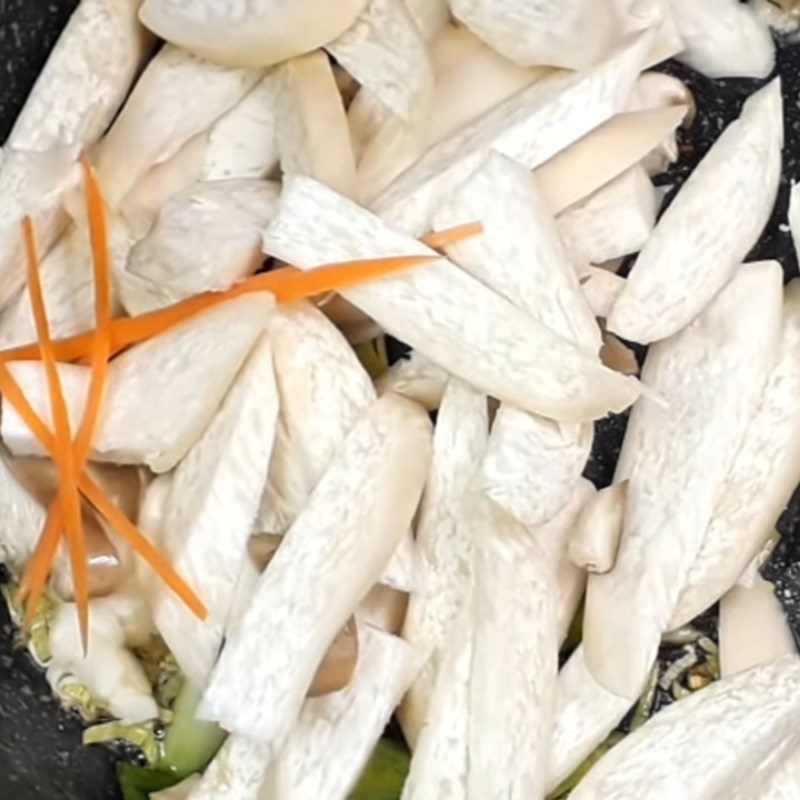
x=294, y=283
x=38, y=571
x=95, y=495
x=101, y=341
x=440, y=239
x=68, y=490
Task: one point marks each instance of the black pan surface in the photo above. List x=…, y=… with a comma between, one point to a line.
x=41, y=757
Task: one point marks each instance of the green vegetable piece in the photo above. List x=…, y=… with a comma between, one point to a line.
x=373, y=358
x=136, y=783
x=385, y=774
x=190, y=743
x=569, y=783
x=141, y=736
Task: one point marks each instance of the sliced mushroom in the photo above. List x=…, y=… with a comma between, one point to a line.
x=617, y=356
x=339, y=664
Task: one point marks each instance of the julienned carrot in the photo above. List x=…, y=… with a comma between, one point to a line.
x=63, y=456
x=35, y=579
x=440, y=239
x=287, y=283
x=95, y=495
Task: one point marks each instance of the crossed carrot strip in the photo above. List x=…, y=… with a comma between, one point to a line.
x=98, y=346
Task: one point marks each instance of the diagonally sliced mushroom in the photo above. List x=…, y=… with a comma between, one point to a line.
x=617, y=145
x=385, y=52
x=746, y=723
x=85, y=79
x=204, y=238
x=384, y=608
x=753, y=628
x=161, y=394
x=614, y=221
x=574, y=34
x=595, y=541
x=440, y=760
x=312, y=132
x=207, y=516
x=531, y=127
x=511, y=698
x=461, y=63
x=710, y=227
x=553, y=539
x=331, y=741
x=334, y=737
x=261, y=33
x=242, y=143
x=532, y=464
x=177, y=97
x=332, y=555
x=444, y=313
x=445, y=537
x=724, y=39
x=676, y=457
x=764, y=473
x=585, y=714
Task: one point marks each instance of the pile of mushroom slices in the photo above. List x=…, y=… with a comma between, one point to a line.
x=357, y=560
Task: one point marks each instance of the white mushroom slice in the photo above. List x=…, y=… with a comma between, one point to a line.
x=573, y=34
x=753, y=628
x=440, y=760
x=601, y=289
x=139, y=207
x=208, y=514
x=355, y=325
x=709, y=228
x=511, y=698
x=324, y=391
x=22, y=523
x=161, y=394
x=385, y=52
x=618, y=356
x=614, y=221
x=108, y=669
x=261, y=33
x=335, y=735
x=312, y=132
x=337, y=548
x=590, y=163
x=532, y=464
x=417, y=379
x=784, y=784
x=86, y=78
x=746, y=724
x=724, y=39
x=445, y=538
x=430, y=16
x=676, y=456
x=595, y=541
x=783, y=16
x=444, y=313
x=243, y=142
x=177, y=97
x=553, y=539
x=204, y=238
x=530, y=127
x=393, y=145
x=585, y=715
x=764, y=473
